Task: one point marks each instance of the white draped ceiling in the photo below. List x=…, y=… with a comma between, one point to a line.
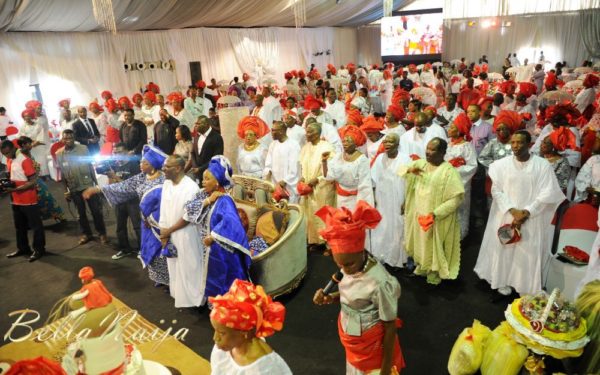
x=80, y=65
x=130, y=15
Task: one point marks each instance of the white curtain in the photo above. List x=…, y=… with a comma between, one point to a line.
x=80, y=65
x=15, y=77
x=369, y=45
x=557, y=35
x=494, y=8
x=590, y=31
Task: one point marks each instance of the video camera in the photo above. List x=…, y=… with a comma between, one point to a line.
x=105, y=166
x=5, y=182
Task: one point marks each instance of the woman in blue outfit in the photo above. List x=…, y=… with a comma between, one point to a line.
x=147, y=186
x=227, y=255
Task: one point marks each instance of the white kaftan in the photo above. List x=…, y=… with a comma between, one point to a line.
x=40, y=152
x=337, y=111
x=532, y=186
x=283, y=162
x=222, y=363
x=251, y=163
x=185, y=270
x=464, y=150
x=387, y=239
x=352, y=176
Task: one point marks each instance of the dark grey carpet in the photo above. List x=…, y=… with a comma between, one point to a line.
x=433, y=316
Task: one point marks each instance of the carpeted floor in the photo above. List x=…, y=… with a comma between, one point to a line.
x=433, y=316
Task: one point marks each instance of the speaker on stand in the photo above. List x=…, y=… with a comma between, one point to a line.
x=195, y=71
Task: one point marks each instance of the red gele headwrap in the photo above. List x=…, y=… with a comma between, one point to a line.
x=396, y=111
x=551, y=80
x=591, y=80
x=345, y=231
x=86, y=273
x=353, y=117
x=111, y=105
x=570, y=113
x=484, y=68
x=294, y=73
x=351, y=68
x=125, y=100
x=463, y=124
x=314, y=74
x=507, y=86
x=36, y=366
x=375, y=66
x=563, y=138
x=28, y=112
x=372, y=125
x=137, y=96
x=254, y=123
x=354, y=132
x=331, y=68
x=33, y=104
x=301, y=74
x=245, y=307
x=400, y=94
x=106, y=95
x=527, y=88
x=64, y=102
x=484, y=101
x=94, y=106
x=153, y=87
x=511, y=119
x=175, y=96
x=288, y=76
x=310, y=103
x=387, y=74
x=150, y=95
x=201, y=84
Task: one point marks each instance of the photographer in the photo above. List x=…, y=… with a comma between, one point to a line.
x=24, y=198
x=123, y=167
x=78, y=174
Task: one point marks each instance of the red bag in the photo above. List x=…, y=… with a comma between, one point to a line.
x=577, y=254
x=304, y=189
x=415, y=157
x=457, y=162
x=280, y=193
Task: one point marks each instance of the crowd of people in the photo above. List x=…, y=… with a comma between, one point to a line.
x=393, y=166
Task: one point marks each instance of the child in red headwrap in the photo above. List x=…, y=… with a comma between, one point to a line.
x=242, y=318
x=93, y=293
x=368, y=294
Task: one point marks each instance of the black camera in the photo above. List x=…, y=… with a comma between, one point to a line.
x=105, y=166
x=6, y=183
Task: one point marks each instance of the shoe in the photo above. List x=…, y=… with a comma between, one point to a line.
x=84, y=239
x=121, y=254
x=103, y=239
x=35, y=256
x=505, y=290
x=18, y=253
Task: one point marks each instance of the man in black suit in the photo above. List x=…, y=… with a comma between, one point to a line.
x=206, y=144
x=164, y=132
x=133, y=133
x=86, y=132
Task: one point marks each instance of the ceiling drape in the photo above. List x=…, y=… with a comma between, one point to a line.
x=134, y=15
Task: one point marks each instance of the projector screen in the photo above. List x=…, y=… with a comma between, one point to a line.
x=413, y=34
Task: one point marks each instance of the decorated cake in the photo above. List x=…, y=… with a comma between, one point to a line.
x=548, y=324
x=107, y=354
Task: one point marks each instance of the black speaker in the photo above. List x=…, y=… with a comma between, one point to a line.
x=195, y=71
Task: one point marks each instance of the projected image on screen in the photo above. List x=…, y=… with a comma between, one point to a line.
x=419, y=34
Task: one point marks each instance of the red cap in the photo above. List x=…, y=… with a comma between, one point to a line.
x=332, y=69
x=106, y=94
x=175, y=96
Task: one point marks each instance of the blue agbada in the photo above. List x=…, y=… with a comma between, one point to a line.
x=150, y=209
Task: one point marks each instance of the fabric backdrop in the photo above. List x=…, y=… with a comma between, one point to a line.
x=80, y=65
x=557, y=35
x=133, y=15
